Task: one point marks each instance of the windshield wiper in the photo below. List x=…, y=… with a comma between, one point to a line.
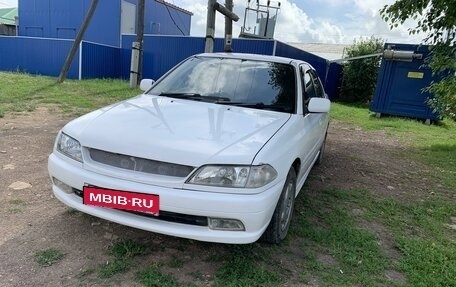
x=195, y=97
x=260, y=106
x=181, y=95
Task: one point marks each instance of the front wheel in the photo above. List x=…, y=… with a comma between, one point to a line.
x=278, y=227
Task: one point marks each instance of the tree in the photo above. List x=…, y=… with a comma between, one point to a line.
x=437, y=20
x=359, y=77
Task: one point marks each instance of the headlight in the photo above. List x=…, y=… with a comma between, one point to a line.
x=234, y=176
x=69, y=147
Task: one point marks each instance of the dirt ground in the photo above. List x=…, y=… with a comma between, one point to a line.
x=32, y=219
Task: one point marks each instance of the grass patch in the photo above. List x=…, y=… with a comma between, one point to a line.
x=113, y=267
x=122, y=252
x=23, y=92
x=48, y=257
x=245, y=267
x=153, y=277
x=425, y=247
x=326, y=222
x=19, y=202
x=127, y=249
x=176, y=263
x=432, y=144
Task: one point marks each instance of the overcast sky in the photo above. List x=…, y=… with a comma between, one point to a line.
x=309, y=21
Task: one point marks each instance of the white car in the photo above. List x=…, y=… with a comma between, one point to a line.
x=216, y=150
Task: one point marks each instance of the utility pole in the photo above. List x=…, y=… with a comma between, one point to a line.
x=212, y=6
x=210, y=27
x=228, y=28
x=137, y=48
x=77, y=41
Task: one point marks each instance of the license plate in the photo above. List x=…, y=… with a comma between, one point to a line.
x=124, y=200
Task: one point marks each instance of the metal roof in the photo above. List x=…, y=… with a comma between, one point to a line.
x=327, y=51
x=7, y=16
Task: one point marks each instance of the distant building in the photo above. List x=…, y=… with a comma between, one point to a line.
x=8, y=18
x=327, y=51
x=62, y=19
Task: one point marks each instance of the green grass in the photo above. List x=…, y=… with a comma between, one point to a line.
x=122, y=253
x=153, y=277
x=176, y=263
x=23, y=92
x=426, y=248
x=431, y=144
x=48, y=257
x=331, y=229
x=245, y=265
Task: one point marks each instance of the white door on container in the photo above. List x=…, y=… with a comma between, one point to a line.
x=128, y=18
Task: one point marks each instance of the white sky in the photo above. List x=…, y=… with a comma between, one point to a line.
x=307, y=21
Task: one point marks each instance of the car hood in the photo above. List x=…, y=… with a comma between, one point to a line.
x=178, y=131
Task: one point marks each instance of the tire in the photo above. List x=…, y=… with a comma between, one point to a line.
x=321, y=152
x=280, y=222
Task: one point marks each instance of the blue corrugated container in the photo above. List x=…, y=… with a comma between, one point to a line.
x=400, y=85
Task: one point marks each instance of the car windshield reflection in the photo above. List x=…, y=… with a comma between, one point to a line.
x=246, y=83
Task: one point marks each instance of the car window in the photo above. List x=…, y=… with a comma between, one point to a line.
x=319, y=92
x=244, y=82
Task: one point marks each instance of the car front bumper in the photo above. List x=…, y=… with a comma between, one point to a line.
x=253, y=210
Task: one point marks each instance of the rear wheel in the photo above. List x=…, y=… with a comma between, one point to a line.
x=278, y=227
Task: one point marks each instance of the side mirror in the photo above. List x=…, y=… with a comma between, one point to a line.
x=319, y=105
x=146, y=84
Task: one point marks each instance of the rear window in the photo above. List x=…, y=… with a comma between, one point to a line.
x=235, y=80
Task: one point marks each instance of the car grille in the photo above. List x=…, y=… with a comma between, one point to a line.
x=139, y=164
x=164, y=215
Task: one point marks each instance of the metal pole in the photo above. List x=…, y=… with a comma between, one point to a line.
x=77, y=41
x=228, y=27
x=210, y=27
x=137, y=48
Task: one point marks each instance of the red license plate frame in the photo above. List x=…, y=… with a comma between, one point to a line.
x=120, y=199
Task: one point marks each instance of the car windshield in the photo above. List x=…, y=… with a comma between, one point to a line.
x=255, y=84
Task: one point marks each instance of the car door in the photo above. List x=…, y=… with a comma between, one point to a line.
x=311, y=123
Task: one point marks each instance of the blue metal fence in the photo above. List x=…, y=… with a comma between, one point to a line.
x=163, y=52
x=36, y=55
x=100, y=61
x=46, y=56
x=329, y=73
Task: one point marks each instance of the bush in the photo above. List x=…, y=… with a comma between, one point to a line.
x=359, y=77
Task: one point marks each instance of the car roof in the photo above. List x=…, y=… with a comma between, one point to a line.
x=254, y=57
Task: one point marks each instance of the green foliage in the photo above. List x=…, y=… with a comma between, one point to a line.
x=48, y=256
x=437, y=20
x=360, y=76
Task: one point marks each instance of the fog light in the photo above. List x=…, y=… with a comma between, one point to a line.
x=226, y=224
x=63, y=186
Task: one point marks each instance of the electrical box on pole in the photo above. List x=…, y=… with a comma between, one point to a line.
x=260, y=20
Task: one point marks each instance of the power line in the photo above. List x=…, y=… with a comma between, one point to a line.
x=172, y=19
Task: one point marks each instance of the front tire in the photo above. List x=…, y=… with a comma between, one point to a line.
x=280, y=222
